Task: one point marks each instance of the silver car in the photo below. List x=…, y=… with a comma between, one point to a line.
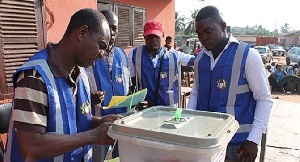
x=293, y=55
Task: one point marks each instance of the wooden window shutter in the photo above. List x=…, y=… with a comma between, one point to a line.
x=139, y=21
x=131, y=22
x=21, y=35
x=125, y=29
x=104, y=6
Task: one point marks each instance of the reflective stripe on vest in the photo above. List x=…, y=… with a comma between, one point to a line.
x=46, y=69
x=234, y=88
x=126, y=74
x=196, y=63
x=105, y=82
x=138, y=65
x=43, y=68
x=59, y=125
x=172, y=78
x=93, y=85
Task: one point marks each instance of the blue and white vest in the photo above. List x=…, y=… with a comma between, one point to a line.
x=225, y=89
x=66, y=116
x=147, y=75
x=115, y=83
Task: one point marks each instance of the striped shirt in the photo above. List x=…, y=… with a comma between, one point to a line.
x=31, y=100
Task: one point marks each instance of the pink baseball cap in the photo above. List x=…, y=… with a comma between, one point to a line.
x=153, y=27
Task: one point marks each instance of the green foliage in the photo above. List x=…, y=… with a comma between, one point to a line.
x=259, y=30
x=179, y=22
x=190, y=29
x=285, y=28
x=186, y=26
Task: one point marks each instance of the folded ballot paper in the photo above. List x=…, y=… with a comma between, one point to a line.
x=127, y=101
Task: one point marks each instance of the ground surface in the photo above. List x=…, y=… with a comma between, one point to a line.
x=286, y=97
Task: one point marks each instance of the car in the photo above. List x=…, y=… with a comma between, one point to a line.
x=265, y=53
x=277, y=50
x=293, y=55
x=192, y=43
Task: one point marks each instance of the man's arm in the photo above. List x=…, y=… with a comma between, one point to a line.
x=185, y=59
x=259, y=85
x=42, y=145
x=30, y=120
x=192, y=104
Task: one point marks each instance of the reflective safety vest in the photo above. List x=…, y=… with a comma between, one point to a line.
x=147, y=75
x=225, y=89
x=66, y=115
x=115, y=83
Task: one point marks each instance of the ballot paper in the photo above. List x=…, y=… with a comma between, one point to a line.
x=127, y=101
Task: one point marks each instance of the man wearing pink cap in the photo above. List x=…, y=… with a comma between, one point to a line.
x=156, y=69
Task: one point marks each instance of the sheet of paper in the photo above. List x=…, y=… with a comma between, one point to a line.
x=127, y=101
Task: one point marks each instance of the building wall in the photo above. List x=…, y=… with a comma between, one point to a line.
x=57, y=18
x=246, y=38
x=161, y=10
x=262, y=41
x=58, y=14
x=291, y=39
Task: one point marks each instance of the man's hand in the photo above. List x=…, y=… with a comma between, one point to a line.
x=96, y=121
x=97, y=97
x=110, y=118
x=101, y=134
x=248, y=151
x=101, y=129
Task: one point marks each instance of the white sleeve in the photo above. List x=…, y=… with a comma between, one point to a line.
x=192, y=104
x=130, y=64
x=183, y=58
x=259, y=85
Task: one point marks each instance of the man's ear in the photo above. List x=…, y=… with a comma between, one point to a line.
x=224, y=26
x=82, y=32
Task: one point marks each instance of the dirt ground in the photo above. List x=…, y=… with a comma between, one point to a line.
x=286, y=97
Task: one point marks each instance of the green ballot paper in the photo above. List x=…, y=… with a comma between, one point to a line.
x=127, y=101
x=177, y=115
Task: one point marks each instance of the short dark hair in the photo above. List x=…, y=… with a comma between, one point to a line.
x=106, y=13
x=87, y=16
x=168, y=37
x=207, y=12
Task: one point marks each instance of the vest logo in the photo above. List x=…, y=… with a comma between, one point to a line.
x=221, y=84
x=86, y=108
x=119, y=78
x=163, y=75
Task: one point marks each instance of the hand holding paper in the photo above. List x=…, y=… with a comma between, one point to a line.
x=127, y=101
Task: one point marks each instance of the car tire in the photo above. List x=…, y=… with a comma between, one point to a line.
x=273, y=82
x=282, y=83
x=288, y=61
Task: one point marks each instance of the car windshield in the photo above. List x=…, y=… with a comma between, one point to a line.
x=293, y=51
x=261, y=50
x=275, y=47
x=298, y=53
